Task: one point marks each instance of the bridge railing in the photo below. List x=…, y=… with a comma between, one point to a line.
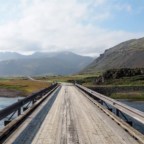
x=17, y=107
x=120, y=107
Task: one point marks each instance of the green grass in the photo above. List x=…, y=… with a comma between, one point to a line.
x=138, y=96
x=4, y=79
x=84, y=78
x=7, y=86
x=25, y=86
x=89, y=80
x=28, y=86
x=126, y=81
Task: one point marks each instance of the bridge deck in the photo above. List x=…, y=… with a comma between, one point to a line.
x=73, y=119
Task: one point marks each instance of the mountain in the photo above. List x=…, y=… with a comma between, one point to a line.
x=59, y=63
x=10, y=55
x=129, y=54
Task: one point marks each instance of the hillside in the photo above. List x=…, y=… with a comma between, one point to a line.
x=60, y=63
x=10, y=56
x=129, y=54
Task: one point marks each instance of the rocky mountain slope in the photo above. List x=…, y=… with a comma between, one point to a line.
x=129, y=54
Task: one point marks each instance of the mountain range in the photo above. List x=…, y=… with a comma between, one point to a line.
x=128, y=54
x=39, y=63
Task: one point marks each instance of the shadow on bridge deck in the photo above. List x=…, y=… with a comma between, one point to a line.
x=30, y=131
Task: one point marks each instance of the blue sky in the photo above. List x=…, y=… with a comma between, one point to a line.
x=86, y=27
x=129, y=20
x=8, y=10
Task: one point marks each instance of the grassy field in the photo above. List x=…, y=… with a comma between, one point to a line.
x=128, y=81
x=89, y=81
x=138, y=96
x=28, y=86
x=86, y=78
x=124, y=82
x=24, y=85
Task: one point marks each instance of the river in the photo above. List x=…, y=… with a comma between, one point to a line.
x=135, y=104
x=140, y=106
x=4, y=102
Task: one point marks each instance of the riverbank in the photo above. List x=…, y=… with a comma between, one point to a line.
x=20, y=87
x=10, y=93
x=121, y=92
x=133, y=96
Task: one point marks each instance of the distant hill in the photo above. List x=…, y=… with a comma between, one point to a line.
x=10, y=55
x=60, y=63
x=129, y=54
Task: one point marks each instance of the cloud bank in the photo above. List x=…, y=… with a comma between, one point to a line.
x=61, y=25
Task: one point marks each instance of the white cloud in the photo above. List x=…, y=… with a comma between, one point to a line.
x=51, y=25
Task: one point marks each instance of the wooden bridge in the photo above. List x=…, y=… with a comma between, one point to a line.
x=70, y=114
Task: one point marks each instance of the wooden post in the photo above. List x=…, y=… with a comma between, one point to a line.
x=19, y=111
x=117, y=112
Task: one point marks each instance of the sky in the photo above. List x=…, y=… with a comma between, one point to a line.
x=86, y=27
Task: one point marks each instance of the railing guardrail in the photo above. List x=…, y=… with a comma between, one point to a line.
x=18, y=105
x=132, y=112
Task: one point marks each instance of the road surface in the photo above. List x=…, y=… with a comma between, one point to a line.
x=73, y=119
